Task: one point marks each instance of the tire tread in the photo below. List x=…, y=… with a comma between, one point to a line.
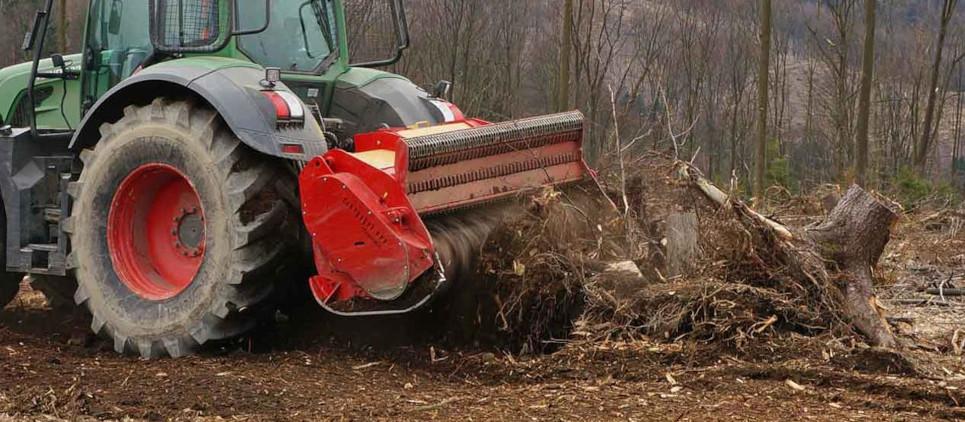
x=259, y=246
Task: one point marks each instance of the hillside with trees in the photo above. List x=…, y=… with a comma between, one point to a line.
x=689, y=70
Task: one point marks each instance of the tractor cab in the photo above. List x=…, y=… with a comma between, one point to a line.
x=304, y=41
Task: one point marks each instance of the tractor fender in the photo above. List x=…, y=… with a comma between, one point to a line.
x=234, y=91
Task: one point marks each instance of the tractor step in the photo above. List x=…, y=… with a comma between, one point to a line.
x=44, y=271
x=46, y=247
x=52, y=215
x=43, y=258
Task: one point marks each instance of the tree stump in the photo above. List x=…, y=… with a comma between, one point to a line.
x=853, y=237
x=681, y=243
x=838, y=254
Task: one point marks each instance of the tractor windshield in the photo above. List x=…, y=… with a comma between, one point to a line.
x=300, y=36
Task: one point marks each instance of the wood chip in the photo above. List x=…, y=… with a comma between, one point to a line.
x=794, y=385
x=367, y=365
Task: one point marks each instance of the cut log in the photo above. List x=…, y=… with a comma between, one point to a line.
x=945, y=292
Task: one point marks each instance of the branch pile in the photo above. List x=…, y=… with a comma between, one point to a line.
x=559, y=267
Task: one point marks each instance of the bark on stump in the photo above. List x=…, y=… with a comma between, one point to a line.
x=853, y=237
x=680, y=246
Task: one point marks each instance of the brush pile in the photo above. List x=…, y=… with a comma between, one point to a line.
x=581, y=264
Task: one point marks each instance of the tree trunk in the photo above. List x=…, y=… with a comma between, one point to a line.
x=864, y=105
x=62, y=27
x=763, y=74
x=566, y=46
x=853, y=237
x=923, y=146
x=959, y=106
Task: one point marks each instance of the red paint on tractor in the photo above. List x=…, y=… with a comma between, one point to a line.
x=282, y=110
x=456, y=112
x=155, y=232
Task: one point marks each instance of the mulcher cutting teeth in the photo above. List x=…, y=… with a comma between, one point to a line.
x=500, y=138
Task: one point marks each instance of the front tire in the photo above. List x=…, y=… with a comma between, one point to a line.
x=181, y=234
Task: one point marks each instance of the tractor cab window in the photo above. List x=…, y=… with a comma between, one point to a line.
x=118, y=42
x=300, y=35
x=187, y=25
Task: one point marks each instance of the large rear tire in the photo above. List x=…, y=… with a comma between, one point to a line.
x=181, y=235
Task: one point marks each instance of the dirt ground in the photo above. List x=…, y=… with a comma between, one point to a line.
x=51, y=369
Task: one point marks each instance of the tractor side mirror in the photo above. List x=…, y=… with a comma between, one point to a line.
x=58, y=61
x=378, y=31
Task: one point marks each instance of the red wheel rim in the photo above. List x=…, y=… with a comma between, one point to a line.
x=155, y=232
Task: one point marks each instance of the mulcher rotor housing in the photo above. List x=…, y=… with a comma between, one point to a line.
x=170, y=177
x=364, y=209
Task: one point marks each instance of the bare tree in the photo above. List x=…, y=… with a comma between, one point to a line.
x=763, y=72
x=835, y=52
x=864, y=101
x=62, y=13
x=566, y=47
x=923, y=147
x=739, y=68
x=958, y=138
x=599, y=56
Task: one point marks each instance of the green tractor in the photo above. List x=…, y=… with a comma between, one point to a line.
x=197, y=155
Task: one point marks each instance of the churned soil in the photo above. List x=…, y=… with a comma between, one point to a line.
x=50, y=369
x=312, y=366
